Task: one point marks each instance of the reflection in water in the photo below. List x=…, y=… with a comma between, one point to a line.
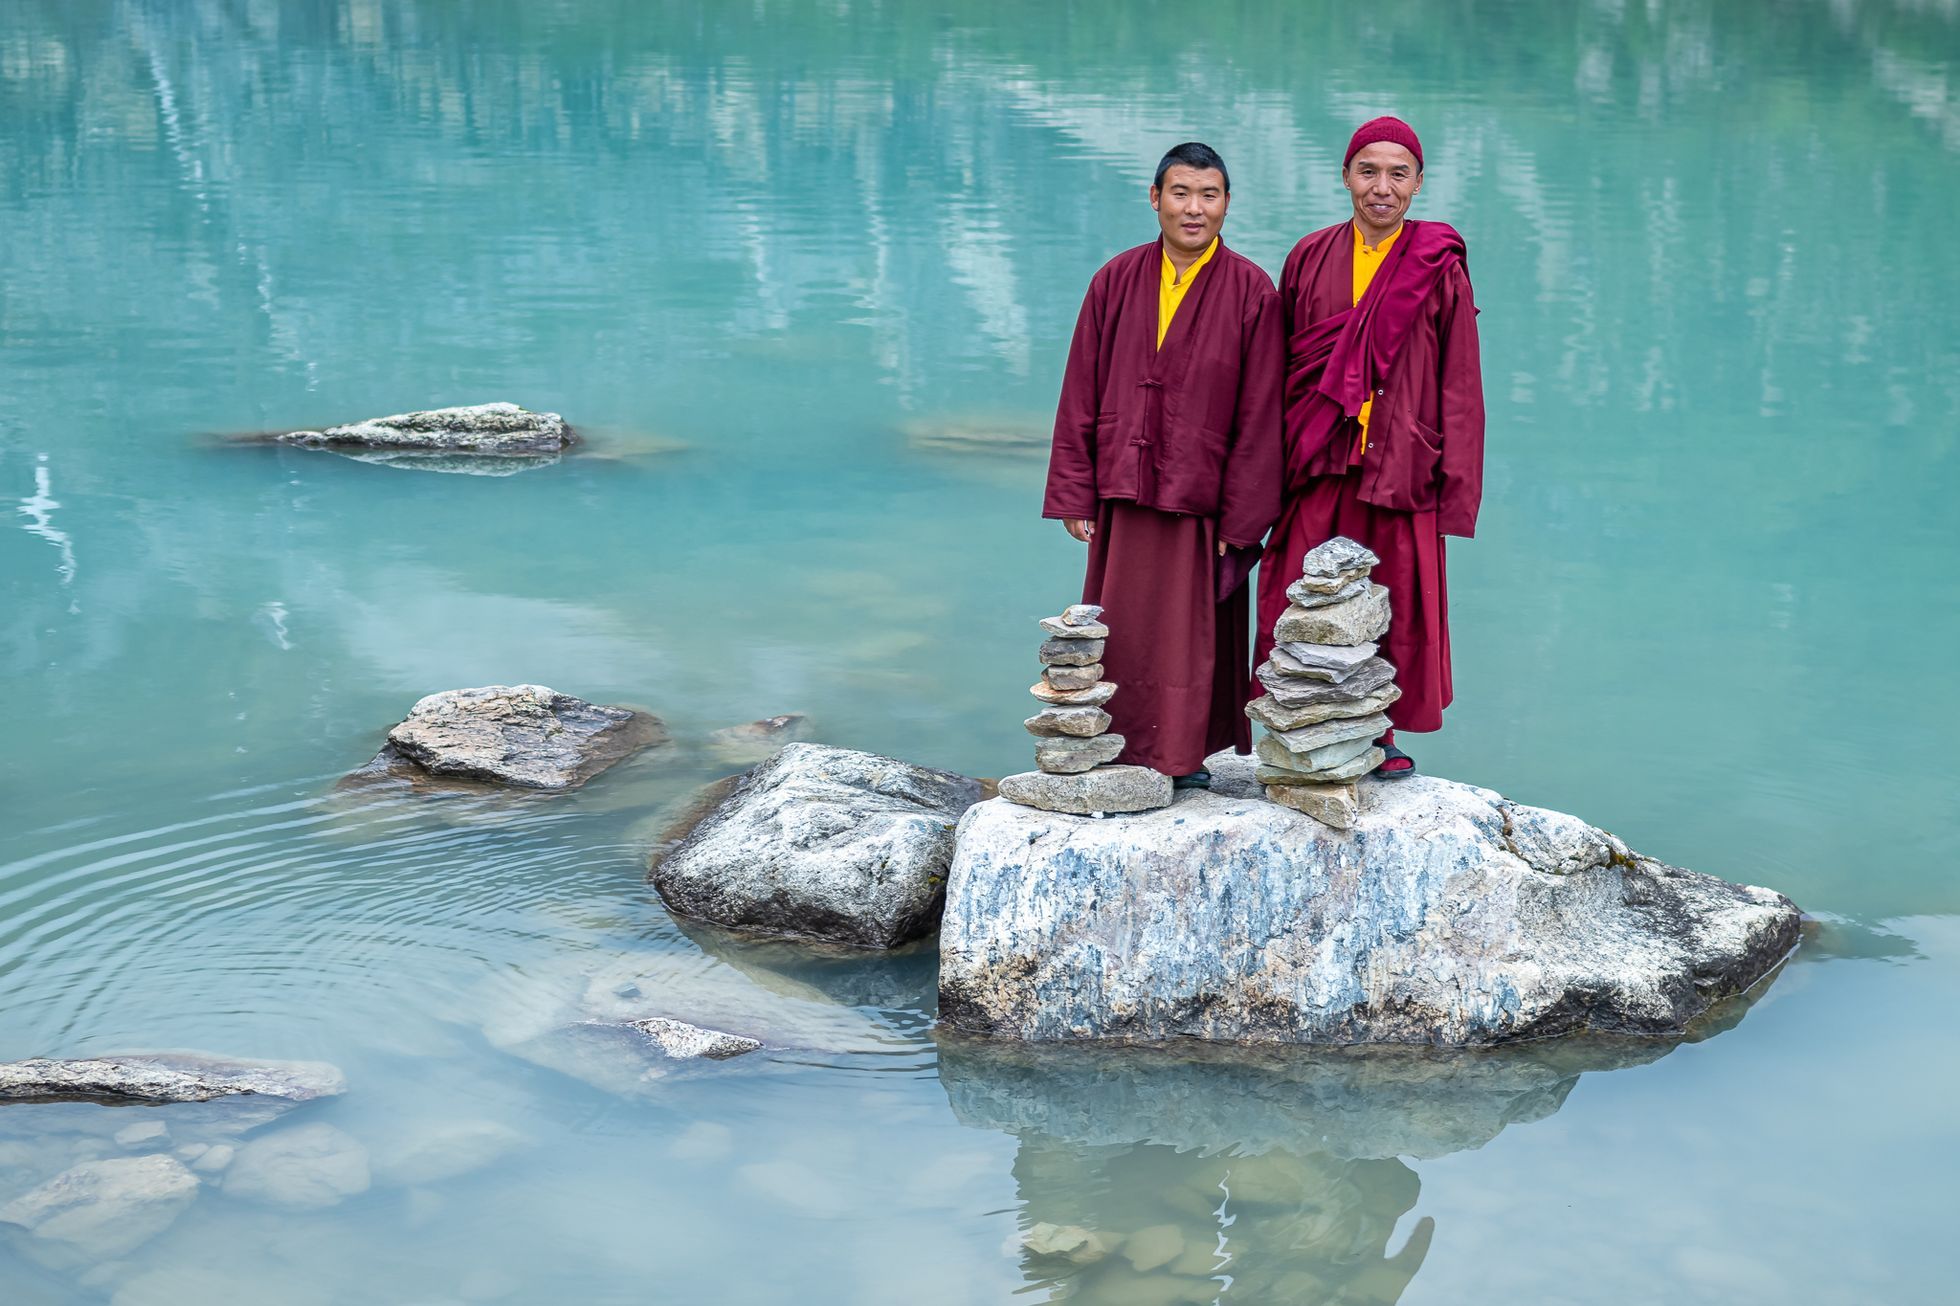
x=1151, y=1175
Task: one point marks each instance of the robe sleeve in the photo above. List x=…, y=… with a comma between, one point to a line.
x=1253, y=468
x=1462, y=414
x=1072, y=456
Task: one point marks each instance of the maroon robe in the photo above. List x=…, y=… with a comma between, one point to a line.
x=1411, y=343
x=1170, y=451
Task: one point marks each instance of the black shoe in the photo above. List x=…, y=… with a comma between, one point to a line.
x=1199, y=779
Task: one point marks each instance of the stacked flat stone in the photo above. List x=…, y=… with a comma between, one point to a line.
x=1073, y=749
x=1326, y=691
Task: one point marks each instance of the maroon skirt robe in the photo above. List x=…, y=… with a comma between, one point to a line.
x=1170, y=450
x=1178, y=656
x=1411, y=345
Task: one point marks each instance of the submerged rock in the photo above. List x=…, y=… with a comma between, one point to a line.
x=1447, y=915
x=1012, y=437
x=495, y=428
x=307, y=1167
x=757, y=741
x=160, y=1077
x=523, y=736
x=822, y=842
x=103, y=1209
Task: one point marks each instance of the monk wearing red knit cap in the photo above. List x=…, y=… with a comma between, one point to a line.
x=1384, y=416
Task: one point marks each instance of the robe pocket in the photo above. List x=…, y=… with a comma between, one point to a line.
x=1105, y=430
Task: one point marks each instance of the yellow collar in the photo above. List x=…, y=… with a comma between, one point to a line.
x=1170, y=268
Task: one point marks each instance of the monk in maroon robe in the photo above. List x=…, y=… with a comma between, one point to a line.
x=1166, y=463
x=1384, y=413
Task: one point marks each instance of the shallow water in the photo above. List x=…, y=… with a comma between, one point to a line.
x=762, y=254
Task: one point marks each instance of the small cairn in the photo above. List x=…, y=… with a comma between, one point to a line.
x=1072, y=749
x=1326, y=691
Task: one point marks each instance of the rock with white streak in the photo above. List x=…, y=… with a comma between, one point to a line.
x=1354, y=621
x=1306, y=739
x=1269, y=750
x=1313, y=594
x=824, y=843
x=1329, y=662
x=1431, y=921
x=1081, y=614
x=1082, y=722
x=1094, y=695
x=103, y=1209
x=1066, y=756
x=1063, y=629
x=1295, y=691
x=1266, y=710
x=1334, y=773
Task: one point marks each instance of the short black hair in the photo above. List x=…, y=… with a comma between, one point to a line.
x=1192, y=154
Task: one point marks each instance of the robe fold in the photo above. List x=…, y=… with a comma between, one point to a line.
x=1410, y=346
x=1170, y=450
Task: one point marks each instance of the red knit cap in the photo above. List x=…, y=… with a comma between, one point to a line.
x=1392, y=130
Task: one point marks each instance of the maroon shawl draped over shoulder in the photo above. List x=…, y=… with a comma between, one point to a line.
x=1335, y=363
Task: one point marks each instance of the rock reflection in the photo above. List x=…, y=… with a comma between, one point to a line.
x=1200, y=1175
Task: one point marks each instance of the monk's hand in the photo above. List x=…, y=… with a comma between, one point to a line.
x=1081, y=528
x=1222, y=546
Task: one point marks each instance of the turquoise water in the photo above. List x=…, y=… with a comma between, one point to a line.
x=756, y=251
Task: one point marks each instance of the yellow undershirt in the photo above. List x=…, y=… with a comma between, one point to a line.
x=1170, y=291
x=1367, y=262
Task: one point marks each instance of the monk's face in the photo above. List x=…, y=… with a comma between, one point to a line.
x=1382, y=178
x=1190, y=207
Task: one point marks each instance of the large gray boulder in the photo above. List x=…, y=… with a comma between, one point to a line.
x=823, y=843
x=520, y=736
x=165, y=1077
x=496, y=428
x=1447, y=915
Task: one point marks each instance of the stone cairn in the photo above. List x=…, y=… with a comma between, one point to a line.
x=1326, y=691
x=1072, y=749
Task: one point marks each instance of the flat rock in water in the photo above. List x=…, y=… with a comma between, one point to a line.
x=1354, y=621
x=822, y=842
x=1104, y=789
x=1352, y=769
x=1335, y=805
x=1029, y=437
x=1094, y=695
x=1064, y=755
x=162, y=1077
x=756, y=741
x=1071, y=652
x=1068, y=678
x=523, y=736
x=1082, y=722
x=1307, y=594
x=99, y=1210
x=1338, y=557
x=1428, y=922
x=1295, y=691
x=497, y=428
x=1266, y=710
x=1327, y=662
x=1061, y=629
x=1307, y=739
x=304, y=1168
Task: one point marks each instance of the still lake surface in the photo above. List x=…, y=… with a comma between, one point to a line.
x=756, y=250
